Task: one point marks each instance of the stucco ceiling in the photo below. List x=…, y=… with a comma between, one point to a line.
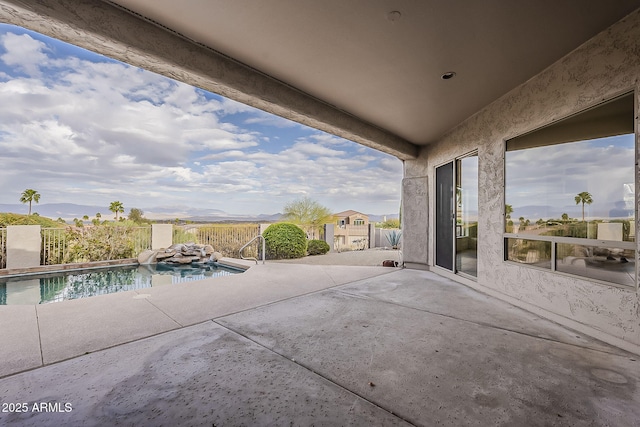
x=386, y=69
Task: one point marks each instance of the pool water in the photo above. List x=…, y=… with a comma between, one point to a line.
x=62, y=286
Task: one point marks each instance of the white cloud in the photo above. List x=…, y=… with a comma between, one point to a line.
x=87, y=131
x=23, y=52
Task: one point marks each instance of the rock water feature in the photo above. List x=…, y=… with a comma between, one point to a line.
x=180, y=253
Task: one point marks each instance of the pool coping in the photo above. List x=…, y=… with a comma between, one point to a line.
x=65, y=267
x=233, y=263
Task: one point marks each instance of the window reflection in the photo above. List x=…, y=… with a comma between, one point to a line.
x=572, y=180
x=608, y=264
x=467, y=215
x=532, y=252
x=582, y=189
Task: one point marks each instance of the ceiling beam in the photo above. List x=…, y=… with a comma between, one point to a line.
x=111, y=31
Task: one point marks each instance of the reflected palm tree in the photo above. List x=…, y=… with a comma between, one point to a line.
x=508, y=210
x=584, y=197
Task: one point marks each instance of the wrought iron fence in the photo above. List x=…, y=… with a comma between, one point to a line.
x=141, y=237
x=54, y=246
x=226, y=239
x=3, y=248
x=86, y=244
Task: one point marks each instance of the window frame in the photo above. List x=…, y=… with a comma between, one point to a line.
x=556, y=240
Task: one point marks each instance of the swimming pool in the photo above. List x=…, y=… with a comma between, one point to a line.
x=67, y=285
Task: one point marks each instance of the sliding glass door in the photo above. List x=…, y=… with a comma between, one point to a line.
x=467, y=215
x=457, y=215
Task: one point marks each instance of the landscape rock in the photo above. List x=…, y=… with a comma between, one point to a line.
x=180, y=253
x=163, y=255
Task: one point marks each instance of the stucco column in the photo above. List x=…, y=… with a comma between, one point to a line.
x=23, y=246
x=415, y=222
x=161, y=236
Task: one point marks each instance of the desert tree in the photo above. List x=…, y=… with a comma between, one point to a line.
x=307, y=213
x=137, y=215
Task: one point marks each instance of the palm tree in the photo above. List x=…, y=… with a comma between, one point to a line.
x=508, y=210
x=29, y=196
x=583, y=197
x=116, y=207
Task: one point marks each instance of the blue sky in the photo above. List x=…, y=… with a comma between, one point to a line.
x=81, y=128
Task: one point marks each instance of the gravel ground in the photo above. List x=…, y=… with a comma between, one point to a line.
x=369, y=257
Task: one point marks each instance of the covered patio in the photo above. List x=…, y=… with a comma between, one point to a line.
x=445, y=87
x=351, y=346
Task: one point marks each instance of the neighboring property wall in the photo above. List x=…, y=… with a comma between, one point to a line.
x=604, y=67
x=351, y=237
x=384, y=236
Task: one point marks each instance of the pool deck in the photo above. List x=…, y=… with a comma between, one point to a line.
x=294, y=344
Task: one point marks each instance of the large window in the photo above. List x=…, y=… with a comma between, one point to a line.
x=570, y=195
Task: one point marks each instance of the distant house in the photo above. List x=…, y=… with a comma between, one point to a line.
x=352, y=230
x=351, y=217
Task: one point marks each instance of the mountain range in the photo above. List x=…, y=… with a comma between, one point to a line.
x=69, y=211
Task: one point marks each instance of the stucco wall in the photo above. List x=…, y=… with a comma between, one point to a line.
x=606, y=66
x=415, y=221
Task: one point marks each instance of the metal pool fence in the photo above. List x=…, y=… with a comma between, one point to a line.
x=100, y=243
x=226, y=239
x=141, y=237
x=54, y=246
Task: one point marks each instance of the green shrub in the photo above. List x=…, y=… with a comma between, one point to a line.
x=105, y=242
x=317, y=247
x=391, y=223
x=285, y=241
x=19, y=219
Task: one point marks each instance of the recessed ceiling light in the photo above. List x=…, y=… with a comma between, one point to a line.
x=394, y=16
x=448, y=75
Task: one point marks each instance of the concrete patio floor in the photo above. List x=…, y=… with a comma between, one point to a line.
x=286, y=344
